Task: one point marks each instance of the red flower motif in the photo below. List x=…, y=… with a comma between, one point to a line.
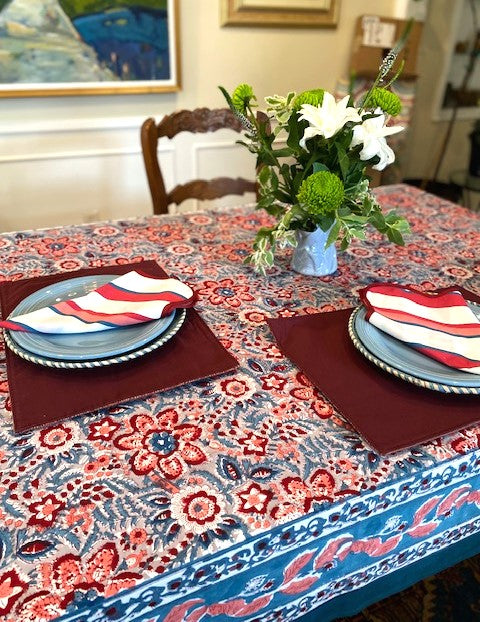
x=298, y=492
x=253, y=444
x=298, y=495
x=181, y=249
x=235, y=387
x=55, y=437
x=124, y=260
x=54, y=247
x=252, y=222
x=254, y=499
x=200, y=219
x=227, y=292
x=309, y=393
x=103, y=429
x=45, y=511
x=44, y=606
x=273, y=381
x=105, y=231
x=458, y=272
x=322, y=409
x=11, y=588
x=322, y=484
x=138, y=535
x=302, y=393
x=464, y=444
x=164, y=234
x=254, y=317
x=100, y=566
x=68, y=573
x=287, y=313
x=197, y=509
x=70, y=264
x=234, y=252
x=271, y=351
x=159, y=443
x=201, y=507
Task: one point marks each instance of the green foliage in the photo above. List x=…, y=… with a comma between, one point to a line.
x=321, y=193
x=386, y=100
x=242, y=96
x=318, y=179
x=313, y=97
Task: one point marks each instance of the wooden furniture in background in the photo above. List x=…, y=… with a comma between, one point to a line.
x=374, y=36
x=200, y=120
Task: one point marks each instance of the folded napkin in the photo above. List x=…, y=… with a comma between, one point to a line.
x=387, y=412
x=441, y=325
x=193, y=354
x=132, y=298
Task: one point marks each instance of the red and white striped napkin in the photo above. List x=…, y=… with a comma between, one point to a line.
x=132, y=298
x=440, y=325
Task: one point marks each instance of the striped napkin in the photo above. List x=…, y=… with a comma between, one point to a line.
x=129, y=299
x=440, y=325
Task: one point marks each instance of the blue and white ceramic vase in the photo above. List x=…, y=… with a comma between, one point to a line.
x=310, y=257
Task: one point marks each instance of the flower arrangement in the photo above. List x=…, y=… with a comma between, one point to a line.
x=318, y=179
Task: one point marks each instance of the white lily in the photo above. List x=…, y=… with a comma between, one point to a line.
x=326, y=120
x=371, y=134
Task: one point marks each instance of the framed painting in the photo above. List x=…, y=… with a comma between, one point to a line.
x=305, y=13
x=88, y=47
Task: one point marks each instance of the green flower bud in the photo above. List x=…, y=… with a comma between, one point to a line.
x=321, y=193
x=386, y=100
x=313, y=97
x=241, y=97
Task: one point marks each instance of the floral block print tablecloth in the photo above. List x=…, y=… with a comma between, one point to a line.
x=242, y=497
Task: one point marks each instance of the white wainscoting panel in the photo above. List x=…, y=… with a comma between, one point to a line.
x=85, y=172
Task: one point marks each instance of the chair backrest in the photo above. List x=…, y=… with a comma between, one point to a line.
x=200, y=120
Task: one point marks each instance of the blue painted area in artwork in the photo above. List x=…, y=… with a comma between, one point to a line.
x=132, y=42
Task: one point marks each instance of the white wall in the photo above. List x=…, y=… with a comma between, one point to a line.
x=429, y=125
x=77, y=159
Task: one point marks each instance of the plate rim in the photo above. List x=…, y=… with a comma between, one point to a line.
x=178, y=320
x=17, y=338
x=389, y=368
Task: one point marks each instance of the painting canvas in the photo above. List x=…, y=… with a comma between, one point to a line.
x=67, y=47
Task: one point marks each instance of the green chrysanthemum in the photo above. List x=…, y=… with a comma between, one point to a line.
x=242, y=96
x=321, y=193
x=386, y=100
x=313, y=97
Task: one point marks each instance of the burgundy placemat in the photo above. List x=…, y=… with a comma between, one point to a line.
x=388, y=413
x=42, y=395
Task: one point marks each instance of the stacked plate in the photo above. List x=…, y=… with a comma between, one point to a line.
x=98, y=349
x=401, y=360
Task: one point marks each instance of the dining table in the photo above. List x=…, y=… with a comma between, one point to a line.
x=223, y=474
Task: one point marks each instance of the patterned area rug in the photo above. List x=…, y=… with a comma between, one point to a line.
x=449, y=596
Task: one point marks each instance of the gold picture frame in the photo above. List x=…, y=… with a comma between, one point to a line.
x=115, y=75
x=289, y=13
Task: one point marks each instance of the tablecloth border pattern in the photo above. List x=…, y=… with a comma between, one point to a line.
x=309, y=554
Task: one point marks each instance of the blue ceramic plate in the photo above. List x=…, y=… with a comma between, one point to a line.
x=179, y=318
x=404, y=362
x=82, y=346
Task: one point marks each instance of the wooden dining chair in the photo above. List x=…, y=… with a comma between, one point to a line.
x=200, y=120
